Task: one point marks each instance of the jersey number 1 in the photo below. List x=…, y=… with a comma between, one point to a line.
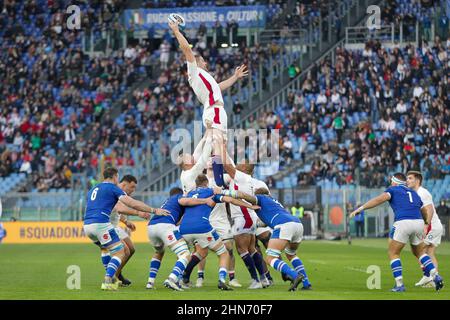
x=410, y=196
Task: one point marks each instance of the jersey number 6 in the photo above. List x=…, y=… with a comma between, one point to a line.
x=94, y=194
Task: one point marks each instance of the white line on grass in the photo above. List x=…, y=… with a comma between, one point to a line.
x=355, y=269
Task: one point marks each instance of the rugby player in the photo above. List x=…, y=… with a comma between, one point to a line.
x=244, y=220
x=287, y=235
x=120, y=212
x=196, y=228
x=163, y=233
x=101, y=200
x=410, y=213
x=433, y=226
x=209, y=93
x=220, y=222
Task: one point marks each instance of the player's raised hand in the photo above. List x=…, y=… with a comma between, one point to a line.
x=173, y=26
x=255, y=207
x=131, y=226
x=161, y=212
x=144, y=215
x=241, y=71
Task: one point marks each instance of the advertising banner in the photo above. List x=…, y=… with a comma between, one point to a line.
x=58, y=232
x=245, y=16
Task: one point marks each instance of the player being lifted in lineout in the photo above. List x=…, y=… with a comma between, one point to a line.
x=209, y=93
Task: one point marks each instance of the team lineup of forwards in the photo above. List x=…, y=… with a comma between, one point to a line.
x=227, y=208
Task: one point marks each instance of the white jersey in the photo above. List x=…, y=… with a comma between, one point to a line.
x=245, y=183
x=204, y=85
x=219, y=212
x=114, y=218
x=188, y=176
x=427, y=199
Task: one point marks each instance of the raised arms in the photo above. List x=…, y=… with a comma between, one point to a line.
x=184, y=44
x=239, y=73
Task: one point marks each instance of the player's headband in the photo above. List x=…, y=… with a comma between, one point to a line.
x=398, y=181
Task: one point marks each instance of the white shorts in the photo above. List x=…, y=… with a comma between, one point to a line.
x=204, y=240
x=122, y=233
x=408, y=230
x=216, y=116
x=223, y=228
x=260, y=231
x=290, y=231
x=102, y=234
x=243, y=226
x=163, y=235
x=434, y=236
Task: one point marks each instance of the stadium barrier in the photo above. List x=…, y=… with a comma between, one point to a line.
x=58, y=232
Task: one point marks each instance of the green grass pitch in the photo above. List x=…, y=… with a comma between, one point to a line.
x=336, y=270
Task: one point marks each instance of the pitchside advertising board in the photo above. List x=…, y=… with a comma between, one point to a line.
x=58, y=232
x=246, y=17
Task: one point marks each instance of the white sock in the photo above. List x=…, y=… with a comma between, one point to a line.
x=399, y=281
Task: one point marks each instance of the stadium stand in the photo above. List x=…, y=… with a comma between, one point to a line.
x=340, y=129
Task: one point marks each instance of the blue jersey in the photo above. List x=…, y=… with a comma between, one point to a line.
x=272, y=213
x=405, y=203
x=196, y=218
x=176, y=211
x=101, y=200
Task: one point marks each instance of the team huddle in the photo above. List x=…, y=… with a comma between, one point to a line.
x=222, y=208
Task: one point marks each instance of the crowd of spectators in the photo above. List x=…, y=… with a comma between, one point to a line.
x=50, y=90
x=403, y=95
x=169, y=101
x=408, y=12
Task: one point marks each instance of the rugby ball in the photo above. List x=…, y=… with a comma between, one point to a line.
x=178, y=19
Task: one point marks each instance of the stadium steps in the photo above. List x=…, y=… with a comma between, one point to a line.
x=12, y=183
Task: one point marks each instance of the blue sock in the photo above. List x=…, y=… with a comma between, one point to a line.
x=428, y=264
x=259, y=264
x=105, y=259
x=222, y=274
x=154, y=267
x=217, y=167
x=178, y=269
x=282, y=267
x=396, y=266
x=195, y=260
x=298, y=266
x=250, y=264
x=113, y=265
x=425, y=273
x=201, y=274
